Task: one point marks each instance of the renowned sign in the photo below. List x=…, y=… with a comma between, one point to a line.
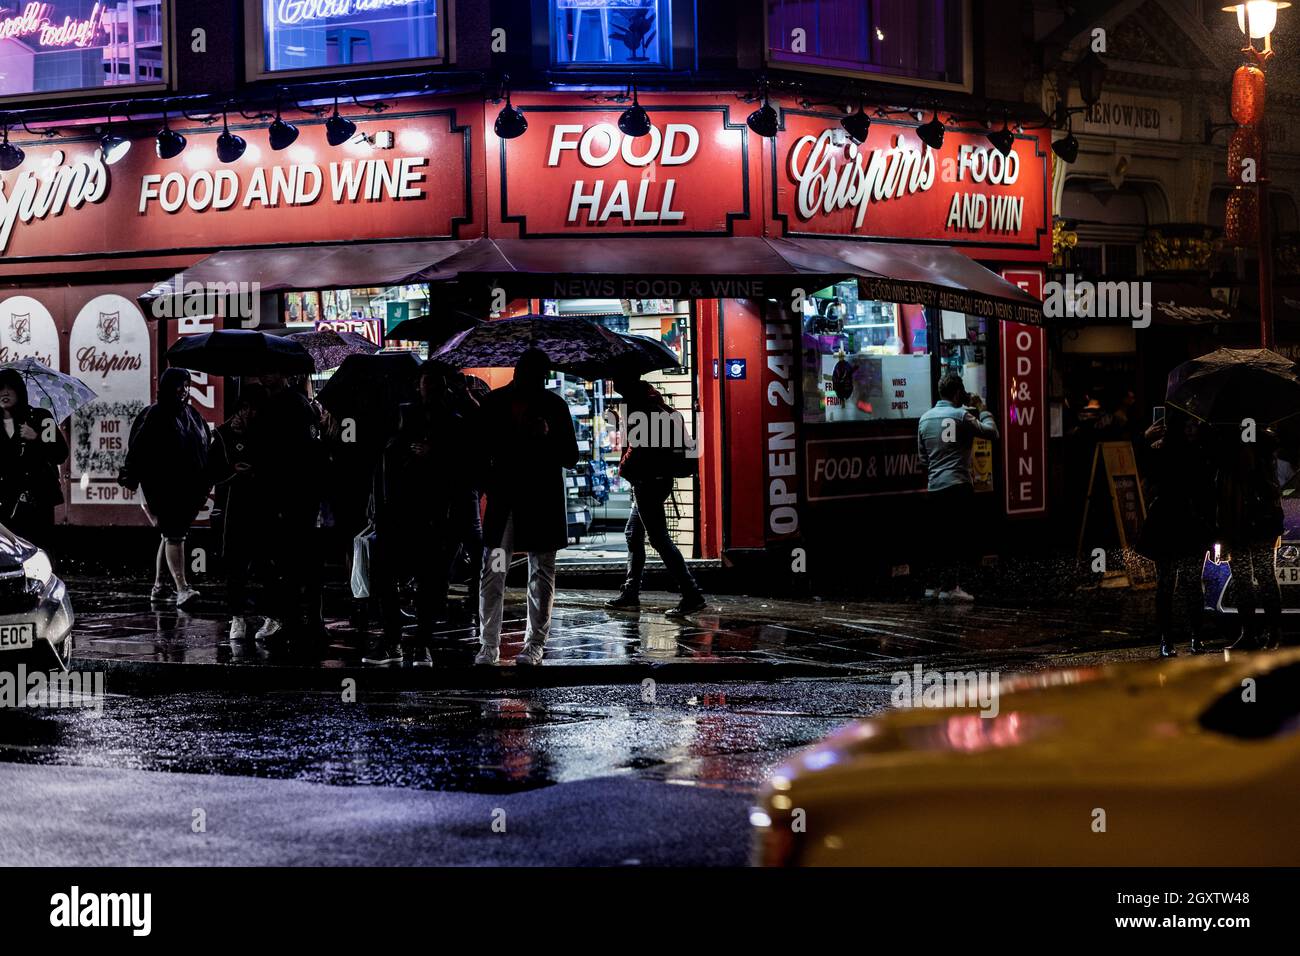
x=1024, y=381
x=894, y=186
x=575, y=172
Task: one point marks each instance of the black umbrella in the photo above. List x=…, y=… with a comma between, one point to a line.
x=240, y=352
x=434, y=328
x=565, y=340
x=369, y=389
x=1230, y=385
x=648, y=355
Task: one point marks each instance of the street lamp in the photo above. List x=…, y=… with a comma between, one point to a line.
x=1256, y=20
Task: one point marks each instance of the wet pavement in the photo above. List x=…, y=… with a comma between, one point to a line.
x=737, y=637
x=645, y=749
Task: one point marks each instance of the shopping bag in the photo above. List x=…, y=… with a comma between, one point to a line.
x=362, y=547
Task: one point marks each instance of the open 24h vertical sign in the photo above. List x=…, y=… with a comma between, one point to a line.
x=1024, y=382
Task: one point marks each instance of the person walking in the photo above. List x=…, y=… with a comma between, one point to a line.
x=230, y=461
x=412, y=506
x=285, y=450
x=465, y=507
x=167, y=459
x=1249, y=520
x=32, y=448
x=1179, y=526
x=528, y=442
x=650, y=464
x=945, y=435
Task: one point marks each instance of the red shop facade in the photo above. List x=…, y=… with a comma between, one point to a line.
x=828, y=285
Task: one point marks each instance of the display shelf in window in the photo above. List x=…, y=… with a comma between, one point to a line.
x=622, y=33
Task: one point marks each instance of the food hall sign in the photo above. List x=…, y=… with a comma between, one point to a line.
x=893, y=186
x=575, y=173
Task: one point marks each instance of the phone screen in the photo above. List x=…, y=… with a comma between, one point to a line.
x=1157, y=414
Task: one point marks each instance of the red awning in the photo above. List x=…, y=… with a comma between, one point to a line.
x=286, y=268
x=637, y=267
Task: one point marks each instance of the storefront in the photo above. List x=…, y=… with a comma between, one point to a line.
x=808, y=352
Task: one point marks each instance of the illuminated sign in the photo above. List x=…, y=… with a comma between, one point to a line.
x=293, y=12
x=315, y=34
x=36, y=22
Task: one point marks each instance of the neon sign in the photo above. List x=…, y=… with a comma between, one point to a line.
x=293, y=12
x=35, y=22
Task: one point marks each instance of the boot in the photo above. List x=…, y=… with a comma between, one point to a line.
x=1198, y=645
x=626, y=601
x=1245, y=641
x=1272, y=638
x=1167, y=647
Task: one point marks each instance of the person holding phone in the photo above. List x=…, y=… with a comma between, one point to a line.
x=945, y=437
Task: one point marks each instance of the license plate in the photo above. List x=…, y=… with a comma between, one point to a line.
x=16, y=637
x=1288, y=575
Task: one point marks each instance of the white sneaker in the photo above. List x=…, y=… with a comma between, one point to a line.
x=957, y=596
x=269, y=626
x=238, y=629
x=489, y=656
x=187, y=594
x=530, y=656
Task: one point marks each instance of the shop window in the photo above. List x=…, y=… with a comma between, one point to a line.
x=93, y=46
x=300, y=35
x=863, y=360
x=919, y=39
x=963, y=348
x=622, y=33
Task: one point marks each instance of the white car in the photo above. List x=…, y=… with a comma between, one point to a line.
x=35, y=612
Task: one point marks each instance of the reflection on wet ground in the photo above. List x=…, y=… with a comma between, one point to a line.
x=119, y=623
x=723, y=736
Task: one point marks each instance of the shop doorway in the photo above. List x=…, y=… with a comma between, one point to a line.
x=599, y=500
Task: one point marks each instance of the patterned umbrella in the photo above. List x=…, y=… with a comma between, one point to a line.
x=648, y=355
x=58, y=394
x=328, y=348
x=500, y=343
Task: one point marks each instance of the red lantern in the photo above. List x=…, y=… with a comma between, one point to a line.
x=1248, y=95
x=1241, y=217
x=1246, y=144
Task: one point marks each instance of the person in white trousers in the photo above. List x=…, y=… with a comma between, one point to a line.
x=528, y=441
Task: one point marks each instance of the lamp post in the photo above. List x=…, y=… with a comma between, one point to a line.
x=1256, y=19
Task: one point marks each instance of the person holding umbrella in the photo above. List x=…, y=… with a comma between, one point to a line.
x=1241, y=394
x=167, y=458
x=413, y=492
x=650, y=465
x=242, y=516
x=1249, y=522
x=31, y=449
x=1180, y=522
x=529, y=442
